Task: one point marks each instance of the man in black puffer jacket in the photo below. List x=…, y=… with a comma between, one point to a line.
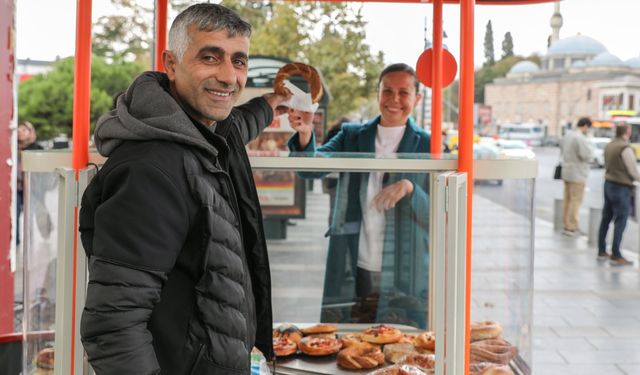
x=179, y=275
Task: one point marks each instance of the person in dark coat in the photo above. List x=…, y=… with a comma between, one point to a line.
x=380, y=220
x=179, y=279
x=620, y=179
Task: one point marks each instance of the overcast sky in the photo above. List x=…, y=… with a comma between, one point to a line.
x=46, y=28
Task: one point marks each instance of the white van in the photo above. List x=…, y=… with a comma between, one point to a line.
x=529, y=133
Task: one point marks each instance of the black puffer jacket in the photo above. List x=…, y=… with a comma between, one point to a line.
x=179, y=274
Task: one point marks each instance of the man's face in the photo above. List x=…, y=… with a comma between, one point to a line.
x=396, y=98
x=212, y=73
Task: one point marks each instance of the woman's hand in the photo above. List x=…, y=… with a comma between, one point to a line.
x=389, y=196
x=301, y=122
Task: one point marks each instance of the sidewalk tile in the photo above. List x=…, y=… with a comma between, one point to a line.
x=630, y=369
x=624, y=332
x=586, y=331
x=547, y=357
x=555, y=369
x=601, y=357
x=550, y=343
x=614, y=343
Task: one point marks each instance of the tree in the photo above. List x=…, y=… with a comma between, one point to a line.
x=46, y=100
x=489, y=58
x=128, y=34
x=330, y=36
x=507, y=45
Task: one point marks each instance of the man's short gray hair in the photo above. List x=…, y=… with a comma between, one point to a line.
x=622, y=129
x=206, y=17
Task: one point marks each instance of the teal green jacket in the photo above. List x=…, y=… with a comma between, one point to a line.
x=405, y=252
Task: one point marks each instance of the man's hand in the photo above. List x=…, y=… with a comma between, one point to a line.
x=274, y=100
x=301, y=122
x=390, y=195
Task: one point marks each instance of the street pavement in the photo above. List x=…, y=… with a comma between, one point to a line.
x=585, y=313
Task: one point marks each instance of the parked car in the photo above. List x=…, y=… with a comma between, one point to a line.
x=486, y=150
x=529, y=133
x=598, y=150
x=515, y=149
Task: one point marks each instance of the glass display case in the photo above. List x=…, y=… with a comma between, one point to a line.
x=39, y=256
x=415, y=254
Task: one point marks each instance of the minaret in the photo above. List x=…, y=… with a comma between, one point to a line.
x=556, y=22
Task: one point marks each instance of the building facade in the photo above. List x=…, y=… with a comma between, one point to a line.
x=577, y=77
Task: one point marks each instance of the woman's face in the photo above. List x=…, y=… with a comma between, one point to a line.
x=23, y=133
x=397, y=97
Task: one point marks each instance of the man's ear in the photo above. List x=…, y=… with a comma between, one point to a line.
x=169, y=61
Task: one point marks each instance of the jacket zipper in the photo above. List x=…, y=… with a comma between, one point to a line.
x=236, y=210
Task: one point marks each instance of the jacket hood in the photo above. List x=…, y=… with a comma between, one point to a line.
x=147, y=111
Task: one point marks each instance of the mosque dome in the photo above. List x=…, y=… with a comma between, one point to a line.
x=633, y=62
x=524, y=66
x=606, y=59
x=578, y=44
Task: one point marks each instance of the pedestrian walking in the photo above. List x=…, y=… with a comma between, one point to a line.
x=621, y=174
x=576, y=156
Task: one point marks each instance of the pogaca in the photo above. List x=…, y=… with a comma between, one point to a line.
x=283, y=346
x=319, y=346
x=381, y=334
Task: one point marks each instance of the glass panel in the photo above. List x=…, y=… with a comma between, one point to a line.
x=332, y=266
x=502, y=262
x=40, y=254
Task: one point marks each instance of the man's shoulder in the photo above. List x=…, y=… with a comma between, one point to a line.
x=164, y=155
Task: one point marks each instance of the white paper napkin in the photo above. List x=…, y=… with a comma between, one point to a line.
x=300, y=99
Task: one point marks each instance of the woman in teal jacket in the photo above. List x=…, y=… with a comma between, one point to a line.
x=393, y=287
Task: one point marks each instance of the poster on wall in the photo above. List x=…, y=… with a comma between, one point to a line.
x=281, y=193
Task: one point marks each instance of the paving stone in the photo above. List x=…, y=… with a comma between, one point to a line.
x=600, y=357
x=585, y=314
x=573, y=369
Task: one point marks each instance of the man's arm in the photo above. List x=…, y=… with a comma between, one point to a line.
x=585, y=151
x=629, y=161
x=138, y=231
x=256, y=114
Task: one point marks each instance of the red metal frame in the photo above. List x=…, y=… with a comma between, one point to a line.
x=436, y=79
x=82, y=85
x=81, y=120
x=465, y=132
x=465, y=155
x=161, y=34
x=7, y=58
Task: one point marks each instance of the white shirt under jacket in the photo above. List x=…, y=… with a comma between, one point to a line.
x=373, y=222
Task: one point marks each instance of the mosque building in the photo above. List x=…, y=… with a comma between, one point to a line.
x=577, y=77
